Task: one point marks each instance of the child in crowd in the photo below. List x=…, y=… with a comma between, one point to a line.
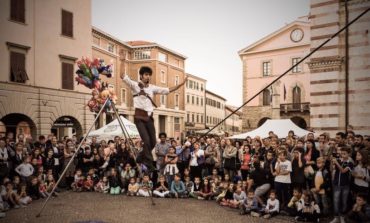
x=341, y=184
x=103, y=185
x=189, y=186
x=126, y=175
x=238, y=197
x=77, y=184
x=50, y=183
x=197, y=188
x=88, y=184
x=272, y=206
x=206, y=191
x=250, y=205
x=321, y=187
x=229, y=195
x=171, y=168
x=133, y=187
x=33, y=189
x=24, y=199
x=161, y=189
x=308, y=210
x=360, y=211
x=283, y=168
x=11, y=197
x=178, y=187
x=42, y=189
x=114, y=182
x=292, y=207
x=146, y=186
x=216, y=188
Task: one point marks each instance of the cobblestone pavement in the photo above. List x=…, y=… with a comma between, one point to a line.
x=95, y=207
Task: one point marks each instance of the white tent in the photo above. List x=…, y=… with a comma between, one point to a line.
x=114, y=129
x=280, y=127
x=213, y=132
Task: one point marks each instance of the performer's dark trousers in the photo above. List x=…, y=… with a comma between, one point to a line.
x=147, y=134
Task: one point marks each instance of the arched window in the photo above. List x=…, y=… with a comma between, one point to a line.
x=296, y=97
x=266, y=97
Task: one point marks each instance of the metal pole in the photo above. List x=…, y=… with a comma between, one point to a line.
x=72, y=159
x=282, y=75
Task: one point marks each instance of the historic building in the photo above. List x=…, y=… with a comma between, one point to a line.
x=195, y=106
x=265, y=60
x=233, y=125
x=168, y=70
x=215, y=111
x=340, y=71
x=39, y=46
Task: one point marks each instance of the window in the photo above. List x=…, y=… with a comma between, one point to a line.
x=197, y=101
x=176, y=100
x=187, y=84
x=176, y=80
x=298, y=68
x=67, y=23
x=142, y=54
x=163, y=100
x=201, y=87
x=123, y=96
x=201, y=118
x=266, y=66
x=163, y=76
x=176, y=123
x=266, y=97
x=162, y=57
x=296, y=97
x=191, y=84
x=192, y=117
x=111, y=47
x=96, y=40
x=201, y=102
x=188, y=99
x=67, y=76
x=17, y=10
x=188, y=117
x=197, y=118
x=18, y=67
x=192, y=100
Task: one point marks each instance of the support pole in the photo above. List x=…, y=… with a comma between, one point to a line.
x=72, y=159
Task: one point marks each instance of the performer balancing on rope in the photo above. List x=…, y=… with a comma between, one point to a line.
x=144, y=105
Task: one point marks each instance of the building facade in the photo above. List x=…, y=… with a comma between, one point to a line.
x=233, y=125
x=168, y=70
x=215, y=111
x=339, y=79
x=195, y=106
x=38, y=94
x=266, y=59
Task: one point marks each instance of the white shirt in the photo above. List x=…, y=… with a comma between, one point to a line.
x=286, y=166
x=24, y=169
x=363, y=172
x=194, y=159
x=141, y=101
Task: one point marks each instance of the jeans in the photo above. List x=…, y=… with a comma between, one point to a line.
x=282, y=192
x=147, y=135
x=322, y=200
x=340, y=198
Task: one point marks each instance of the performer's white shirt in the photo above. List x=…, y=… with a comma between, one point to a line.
x=141, y=101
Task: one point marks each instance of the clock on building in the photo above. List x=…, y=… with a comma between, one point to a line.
x=296, y=35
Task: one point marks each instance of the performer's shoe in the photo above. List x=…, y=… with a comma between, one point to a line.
x=150, y=168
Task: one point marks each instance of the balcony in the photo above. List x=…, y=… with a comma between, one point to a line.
x=295, y=107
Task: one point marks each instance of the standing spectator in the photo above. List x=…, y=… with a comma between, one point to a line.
x=245, y=159
x=361, y=173
x=25, y=170
x=298, y=163
x=283, y=168
x=230, y=155
x=183, y=153
x=161, y=149
x=196, y=162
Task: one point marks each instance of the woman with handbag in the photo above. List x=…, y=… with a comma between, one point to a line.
x=229, y=155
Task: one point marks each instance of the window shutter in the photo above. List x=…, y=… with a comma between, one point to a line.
x=67, y=76
x=18, y=67
x=17, y=10
x=21, y=10
x=67, y=23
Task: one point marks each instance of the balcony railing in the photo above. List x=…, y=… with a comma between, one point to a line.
x=295, y=107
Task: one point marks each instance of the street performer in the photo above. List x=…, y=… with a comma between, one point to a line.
x=143, y=94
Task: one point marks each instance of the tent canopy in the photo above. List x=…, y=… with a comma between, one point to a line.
x=280, y=127
x=213, y=132
x=114, y=129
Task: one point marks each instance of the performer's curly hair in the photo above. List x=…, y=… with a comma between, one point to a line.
x=145, y=69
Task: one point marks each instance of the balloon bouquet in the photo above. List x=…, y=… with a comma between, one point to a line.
x=88, y=74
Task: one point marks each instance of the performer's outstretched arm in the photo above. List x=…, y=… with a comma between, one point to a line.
x=174, y=88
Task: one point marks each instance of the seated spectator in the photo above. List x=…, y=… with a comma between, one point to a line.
x=145, y=188
x=238, y=197
x=189, y=186
x=133, y=187
x=229, y=196
x=250, y=205
x=33, y=189
x=114, y=182
x=308, y=209
x=161, y=189
x=11, y=197
x=292, y=208
x=206, y=191
x=102, y=186
x=88, y=184
x=24, y=199
x=360, y=211
x=196, y=188
x=178, y=188
x=272, y=206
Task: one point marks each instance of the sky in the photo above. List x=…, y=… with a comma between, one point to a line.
x=208, y=32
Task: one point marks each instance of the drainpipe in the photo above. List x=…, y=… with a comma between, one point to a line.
x=346, y=68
